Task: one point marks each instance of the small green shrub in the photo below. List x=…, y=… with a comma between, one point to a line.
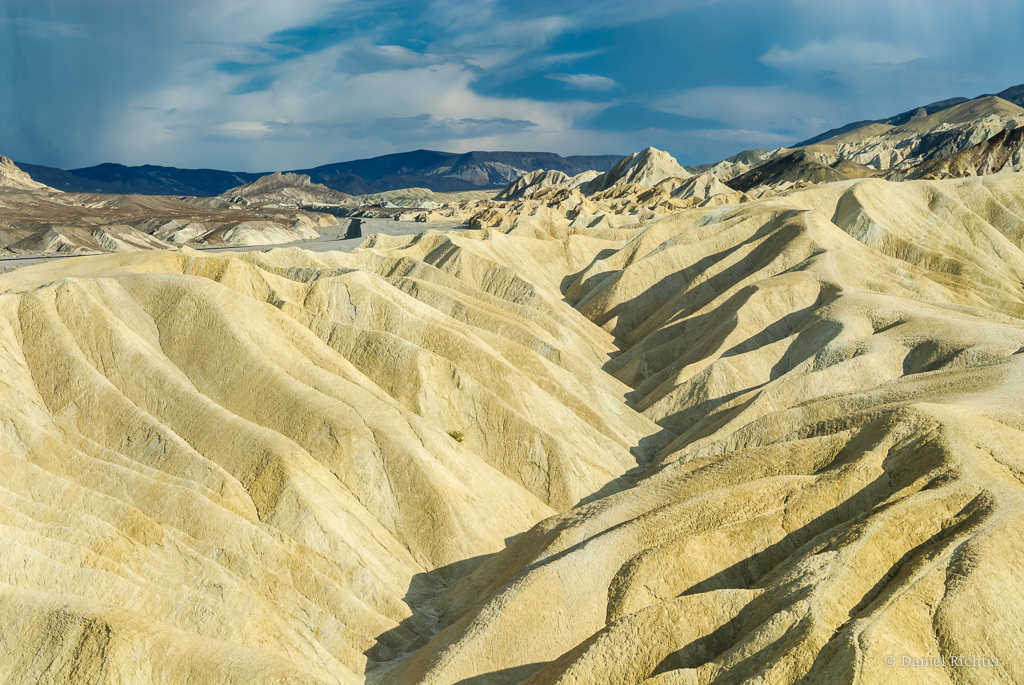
x=458, y=436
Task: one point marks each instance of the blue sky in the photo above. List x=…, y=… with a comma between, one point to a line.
x=263, y=85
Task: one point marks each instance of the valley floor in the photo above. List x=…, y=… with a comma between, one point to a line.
x=330, y=239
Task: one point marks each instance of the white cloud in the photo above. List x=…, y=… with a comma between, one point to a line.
x=585, y=81
x=313, y=114
x=247, y=21
x=45, y=29
x=150, y=85
x=838, y=55
x=245, y=129
x=779, y=109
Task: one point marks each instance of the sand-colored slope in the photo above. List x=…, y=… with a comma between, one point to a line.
x=209, y=457
x=769, y=442
x=206, y=437
x=847, y=484
x=11, y=176
x=644, y=168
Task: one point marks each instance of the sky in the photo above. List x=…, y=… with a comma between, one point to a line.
x=263, y=85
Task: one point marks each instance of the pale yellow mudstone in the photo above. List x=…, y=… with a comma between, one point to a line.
x=775, y=442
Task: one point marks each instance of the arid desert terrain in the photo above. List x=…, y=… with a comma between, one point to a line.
x=757, y=422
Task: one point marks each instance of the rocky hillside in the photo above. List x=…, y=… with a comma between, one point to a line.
x=1014, y=94
x=798, y=166
x=777, y=441
x=286, y=189
x=930, y=137
x=35, y=219
x=645, y=168
x=11, y=176
x=1001, y=152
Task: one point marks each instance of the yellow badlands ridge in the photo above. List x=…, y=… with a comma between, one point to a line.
x=774, y=442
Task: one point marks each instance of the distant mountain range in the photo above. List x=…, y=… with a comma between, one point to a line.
x=932, y=131
x=438, y=171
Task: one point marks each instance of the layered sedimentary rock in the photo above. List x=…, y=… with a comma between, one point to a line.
x=840, y=368
x=42, y=220
x=776, y=441
x=799, y=166
x=1002, y=152
x=286, y=189
x=937, y=135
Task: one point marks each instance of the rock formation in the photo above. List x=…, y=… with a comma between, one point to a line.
x=777, y=441
x=13, y=177
x=44, y=221
x=1001, y=152
x=944, y=133
x=644, y=168
x=531, y=183
x=740, y=163
x=798, y=166
x=286, y=189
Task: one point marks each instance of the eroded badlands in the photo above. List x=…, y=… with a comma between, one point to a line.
x=776, y=441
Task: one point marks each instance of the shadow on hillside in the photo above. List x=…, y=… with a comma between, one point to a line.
x=516, y=674
x=394, y=646
x=704, y=418
x=753, y=570
x=631, y=314
x=645, y=453
x=694, y=338
x=567, y=281
x=749, y=572
x=713, y=646
x=777, y=240
x=418, y=629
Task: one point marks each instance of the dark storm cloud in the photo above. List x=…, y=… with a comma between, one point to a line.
x=71, y=66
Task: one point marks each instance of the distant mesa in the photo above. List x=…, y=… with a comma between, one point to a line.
x=139, y=180
x=286, y=188
x=446, y=171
